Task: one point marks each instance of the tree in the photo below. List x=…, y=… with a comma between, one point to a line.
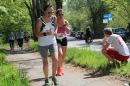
x=12, y=18
x=35, y=10
x=88, y=10
x=120, y=10
x=58, y=4
x=97, y=9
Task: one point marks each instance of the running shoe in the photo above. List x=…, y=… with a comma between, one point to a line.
x=54, y=79
x=59, y=72
x=46, y=82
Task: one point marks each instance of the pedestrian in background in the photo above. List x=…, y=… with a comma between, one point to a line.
x=11, y=38
x=63, y=30
x=19, y=36
x=26, y=39
x=46, y=30
x=89, y=35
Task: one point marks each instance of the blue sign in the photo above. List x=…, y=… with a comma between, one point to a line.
x=107, y=16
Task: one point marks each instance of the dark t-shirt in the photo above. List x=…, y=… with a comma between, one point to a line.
x=88, y=33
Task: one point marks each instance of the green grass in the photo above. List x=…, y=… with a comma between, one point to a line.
x=91, y=60
x=34, y=45
x=9, y=75
x=85, y=58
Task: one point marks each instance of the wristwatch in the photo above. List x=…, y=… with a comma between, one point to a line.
x=44, y=34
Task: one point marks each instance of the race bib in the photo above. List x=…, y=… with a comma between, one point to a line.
x=60, y=35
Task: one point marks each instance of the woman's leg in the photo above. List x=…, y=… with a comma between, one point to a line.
x=60, y=55
x=54, y=53
x=45, y=67
x=43, y=50
x=64, y=48
x=54, y=63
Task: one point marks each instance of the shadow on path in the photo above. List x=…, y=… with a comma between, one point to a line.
x=98, y=73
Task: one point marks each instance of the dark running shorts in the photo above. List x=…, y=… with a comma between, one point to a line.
x=63, y=42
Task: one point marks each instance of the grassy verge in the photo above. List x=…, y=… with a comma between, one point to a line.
x=9, y=75
x=91, y=60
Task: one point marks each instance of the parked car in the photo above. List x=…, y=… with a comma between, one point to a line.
x=120, y=31
x=81, y=35
x=73, y=33
x=77, y=35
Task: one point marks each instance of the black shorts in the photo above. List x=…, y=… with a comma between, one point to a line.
x=63, y=42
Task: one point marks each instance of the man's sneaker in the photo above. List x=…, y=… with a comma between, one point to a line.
x=124, y=62
x=54, y=79
x=59, y=72
x=116, y=65
x=46, y=82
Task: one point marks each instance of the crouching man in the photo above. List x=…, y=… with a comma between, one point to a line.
x=114, y=47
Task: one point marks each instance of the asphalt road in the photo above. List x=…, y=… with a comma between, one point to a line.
x=95, y=45
x=74, y=42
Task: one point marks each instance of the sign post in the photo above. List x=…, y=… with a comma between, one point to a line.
x=107, y=17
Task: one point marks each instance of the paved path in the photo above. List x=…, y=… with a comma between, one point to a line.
x=31, y=63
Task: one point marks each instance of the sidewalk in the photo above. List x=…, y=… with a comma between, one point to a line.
x=31, y=63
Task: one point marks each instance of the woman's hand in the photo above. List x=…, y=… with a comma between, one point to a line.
x=55, y=34
x=49, y=32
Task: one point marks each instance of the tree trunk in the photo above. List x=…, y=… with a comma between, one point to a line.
x=58, y=4
x=35, y=11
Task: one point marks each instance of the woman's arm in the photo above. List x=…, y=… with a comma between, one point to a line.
x=38, y=27
x=66, y=26
x=56, y=26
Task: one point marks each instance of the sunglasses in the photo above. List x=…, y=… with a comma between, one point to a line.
x=60, y=14
x=49, y=12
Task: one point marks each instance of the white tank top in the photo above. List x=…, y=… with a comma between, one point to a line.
x=47, y=40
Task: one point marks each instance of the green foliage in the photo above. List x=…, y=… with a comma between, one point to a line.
x=93, y=60
x=120, y=10
x=34, y=45
x=17, y=18
x=80, y=11
x=3, y=9
x=85, y=58
x=9, y=75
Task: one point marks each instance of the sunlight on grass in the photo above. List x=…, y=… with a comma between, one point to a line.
x=92, y=60
x=34, y=45
x=89, y=59
x=85, y=57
